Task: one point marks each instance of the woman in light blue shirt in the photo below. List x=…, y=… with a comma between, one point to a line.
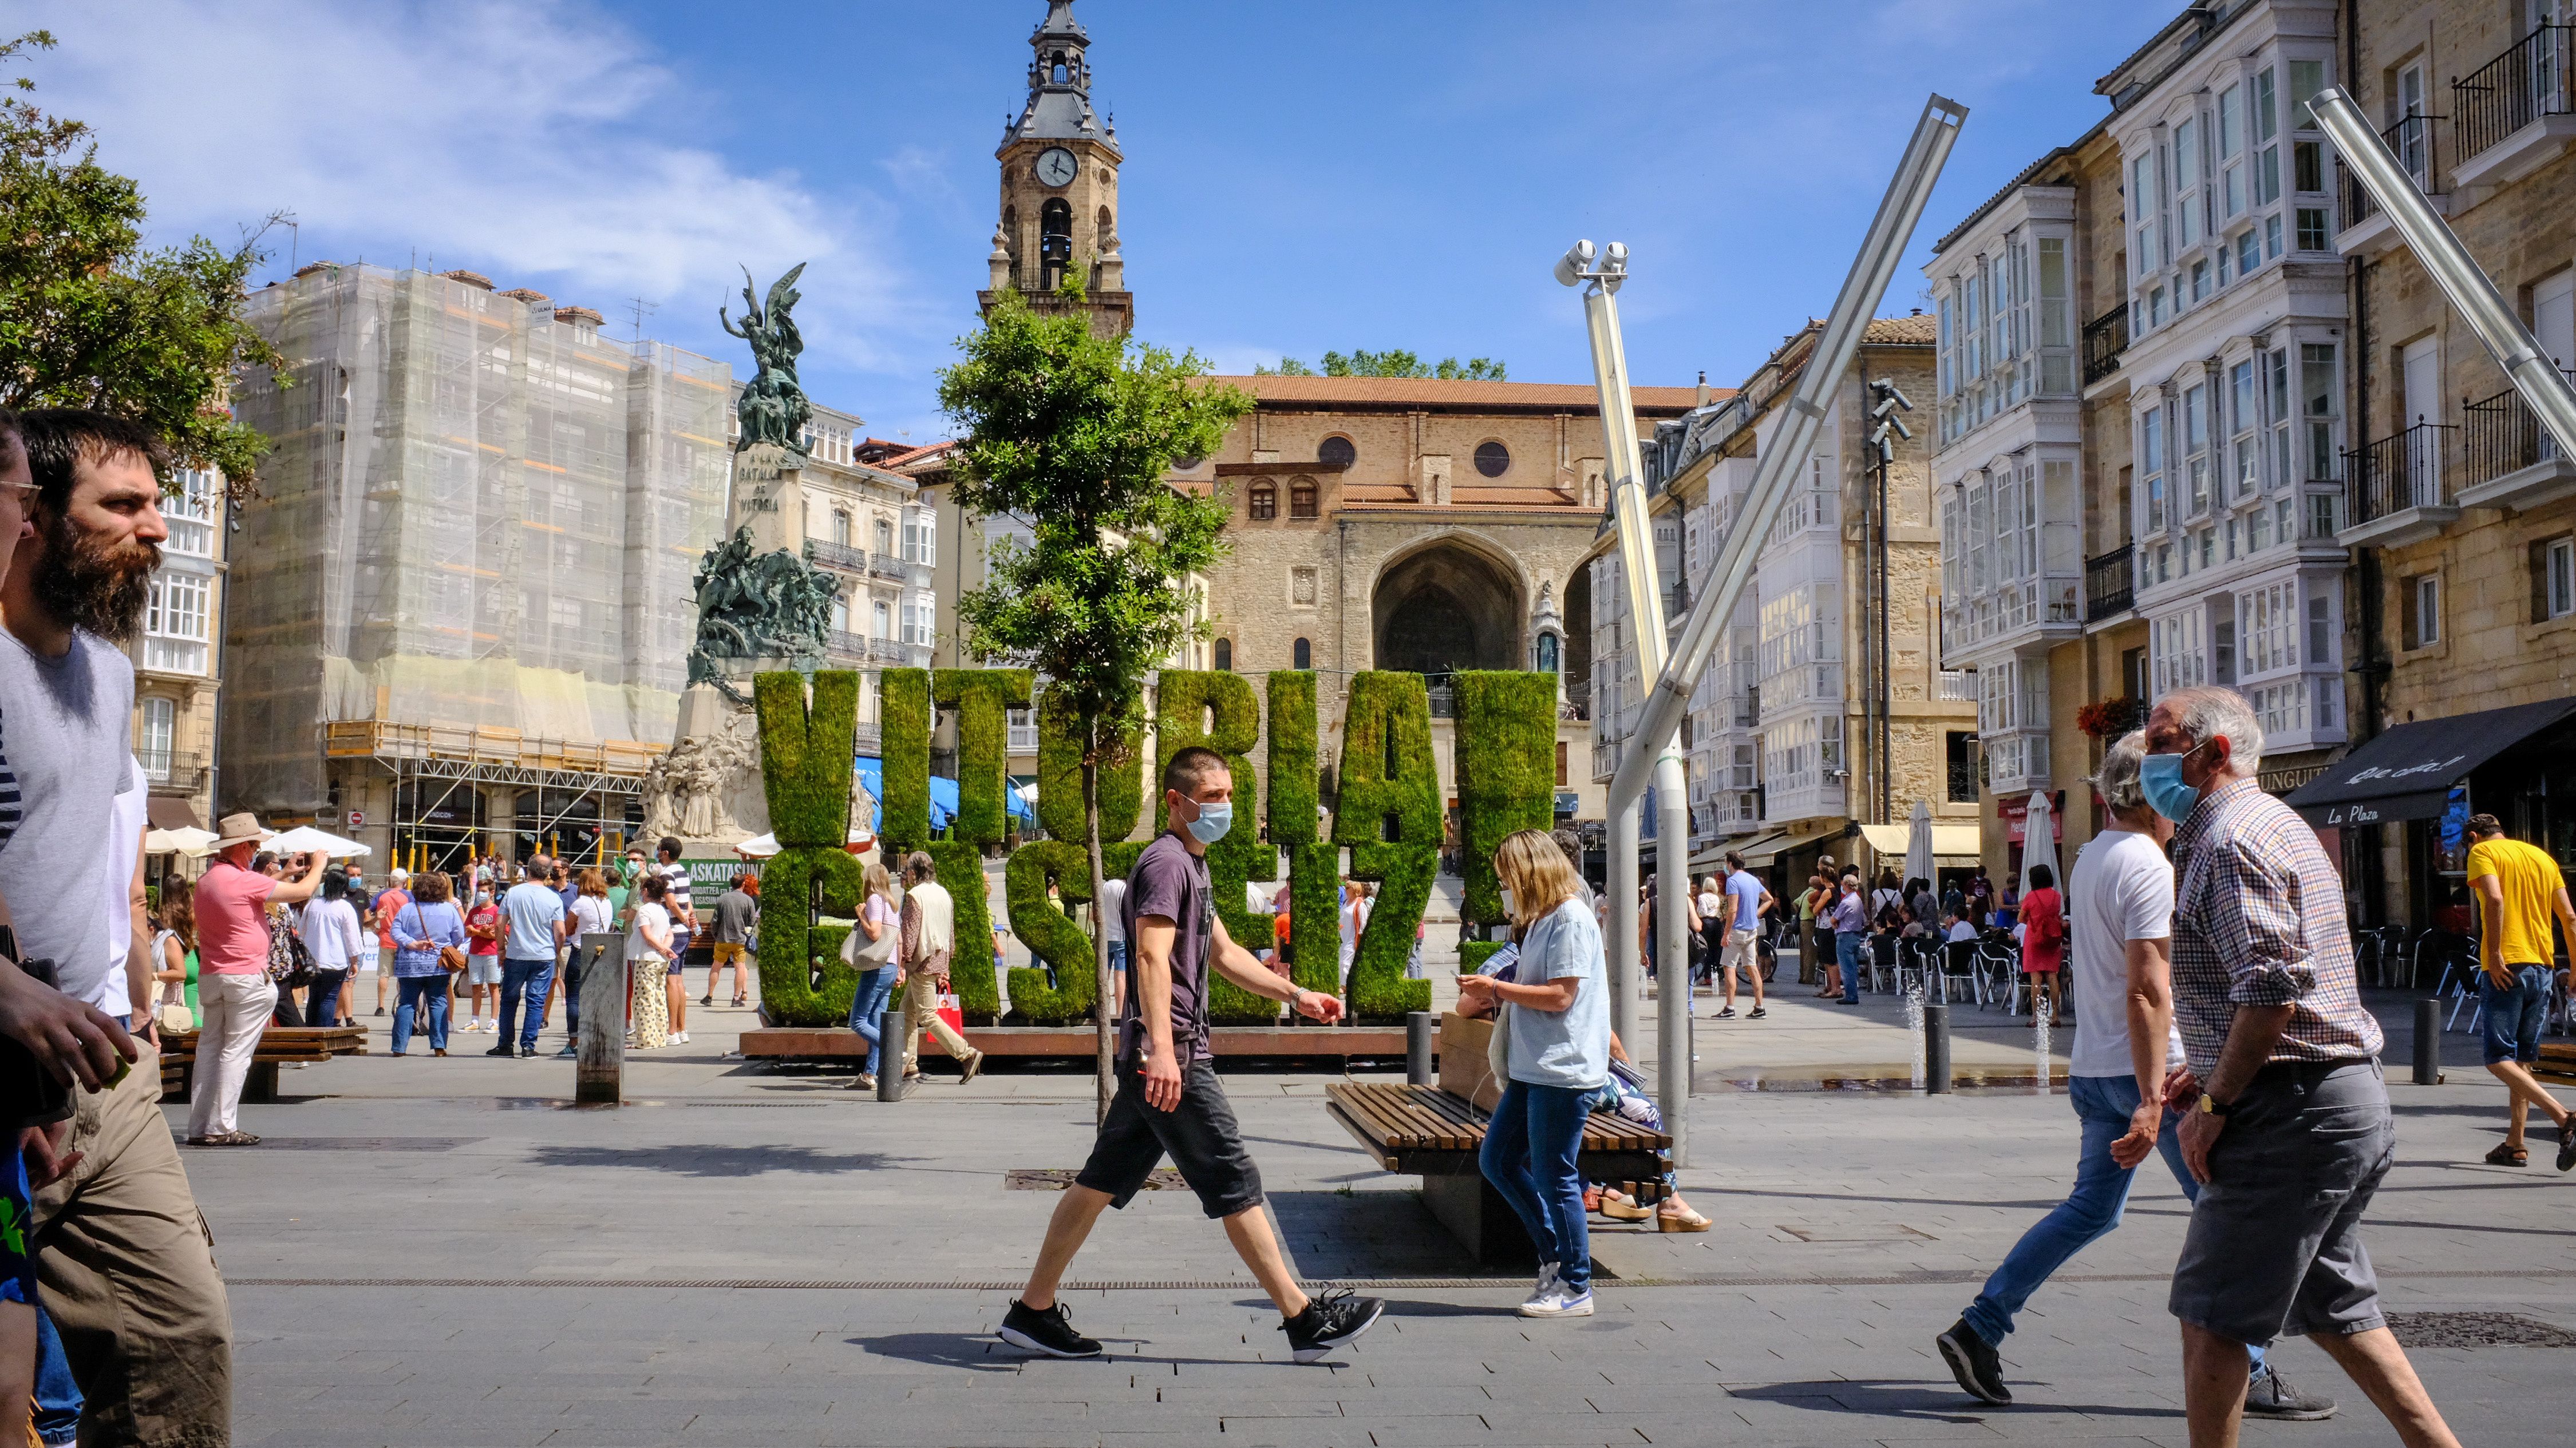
x=431, y=922
x=1556, y=1031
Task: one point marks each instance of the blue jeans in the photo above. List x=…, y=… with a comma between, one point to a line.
x=323, y=999
x=2103, y=1104
x=58, y=1398
x=867, y=1011
x=2510, y=1017
x=1529, y=1157
x=419, y=992
x=524, y=981
x=1851, y=947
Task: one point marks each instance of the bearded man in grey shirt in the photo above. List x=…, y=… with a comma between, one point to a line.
x=126, y=1267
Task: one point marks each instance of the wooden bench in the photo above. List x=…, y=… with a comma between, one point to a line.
x=2557, y=1061
x=278, y=1045
x=1434, y=1132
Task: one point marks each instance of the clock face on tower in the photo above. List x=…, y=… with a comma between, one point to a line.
x=1057, y=166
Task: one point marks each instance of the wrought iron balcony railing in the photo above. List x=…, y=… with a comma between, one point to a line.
x=2105, y=338
x=2110, y=582
x=2502, y=436
x=841, y=557
x=2412, y=141
x=2530, y=81
x=2410, y=469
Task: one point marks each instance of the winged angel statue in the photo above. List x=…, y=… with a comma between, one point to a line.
x=773, y=406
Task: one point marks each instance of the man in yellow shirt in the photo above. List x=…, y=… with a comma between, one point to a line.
x=2519, y=888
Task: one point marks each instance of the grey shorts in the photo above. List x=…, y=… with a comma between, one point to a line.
x=482, y=970
x=2274, y=1246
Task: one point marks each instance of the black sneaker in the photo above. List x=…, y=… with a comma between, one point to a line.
x=527, y=1052
x=1329, y=1321
x=1727, y=1014
x=2269, y=1397
x=1757, y=1013
x=503, y=1049
x=1973, y=1362
x=2567, y=1144
x=1050, y=1332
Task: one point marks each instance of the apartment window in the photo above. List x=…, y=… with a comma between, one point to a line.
x=2307, y=77
x=1561, y=770
x=1336, y=452
x=1265, y=502
x=1301, y=655
x=190, y=512
x=880, y=614
x=2143, y=191
x=2231, y=141
x=2244, y=448
x=1225, y=656
x=2195, y=450
x=840, y=528
x=2267, y=156
x=2317, y=403
x=2151, y=463
x=160, y=734
x=2553, y=579
x=2413, y=141
x=2177, y=649
x=2056, y=317
x=2420, y=601
x=2258, y=530
x=175, y=624
x=2200, y=281
x=1959, y=754
x=1301, y=587
x=2312, y=229
x=2156, y=307
x=920, y=615
x=920, y=537
x=2186, y=179
x=1301, y=498
x=2308, y=166
x=2268, y=628
x=885, y=537
x=2209, y=547
x=2249, y=248
x=840, y=613
x=2321, y=640
x=2276, y=396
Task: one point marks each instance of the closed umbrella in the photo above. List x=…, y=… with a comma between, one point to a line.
x=1918, y=845
x=2038, y=839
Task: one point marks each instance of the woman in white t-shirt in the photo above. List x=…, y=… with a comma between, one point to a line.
x=870, y=946
x=648, y=955
x=1112, y=915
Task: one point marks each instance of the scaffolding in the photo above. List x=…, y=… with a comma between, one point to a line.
x=471, y=563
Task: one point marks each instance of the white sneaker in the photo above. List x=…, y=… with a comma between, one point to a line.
x=1559, y=1300
x=1546, y=1283
x=681, y=1039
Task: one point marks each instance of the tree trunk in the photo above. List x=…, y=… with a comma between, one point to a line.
x=1105, y=1015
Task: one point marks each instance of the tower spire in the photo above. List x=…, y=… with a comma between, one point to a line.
x=1059, y=104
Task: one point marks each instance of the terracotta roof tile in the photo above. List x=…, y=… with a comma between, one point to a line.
x=1439, y=393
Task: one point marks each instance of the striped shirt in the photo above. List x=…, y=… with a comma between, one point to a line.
x=12, y=808
x=2259, y=921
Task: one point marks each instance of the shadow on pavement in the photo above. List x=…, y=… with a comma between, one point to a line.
x=685, y=1159
x=1885, y=1398
x=1367, y=1234
x=987, y=1354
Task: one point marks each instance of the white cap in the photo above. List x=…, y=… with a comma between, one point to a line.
x=400, y=873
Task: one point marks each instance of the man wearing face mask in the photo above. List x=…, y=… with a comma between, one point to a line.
x=1169, y=1100
x=2285, y=1113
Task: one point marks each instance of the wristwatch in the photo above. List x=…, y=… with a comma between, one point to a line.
x=2212, y=1106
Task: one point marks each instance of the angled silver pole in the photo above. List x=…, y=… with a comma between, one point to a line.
x=1880, y=252
x=1626, y=467
x=2534, y=374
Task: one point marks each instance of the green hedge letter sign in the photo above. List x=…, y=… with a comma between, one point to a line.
x=805, y=763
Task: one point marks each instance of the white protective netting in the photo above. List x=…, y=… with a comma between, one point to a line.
x=479, y=524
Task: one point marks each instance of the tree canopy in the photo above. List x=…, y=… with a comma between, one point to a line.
x=1398, y=363
x=90, y=317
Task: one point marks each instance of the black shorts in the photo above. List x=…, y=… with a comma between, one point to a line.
x=1200, y=1135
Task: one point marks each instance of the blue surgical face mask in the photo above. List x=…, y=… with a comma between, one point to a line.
x=1215, y=818
x=2160, y=780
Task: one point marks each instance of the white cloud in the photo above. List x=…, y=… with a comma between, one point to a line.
x=535, y=140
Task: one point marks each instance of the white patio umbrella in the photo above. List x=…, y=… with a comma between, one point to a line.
x=1918, y=845
x=185, y=840
x=2038, y=839
x=761, y=847
x=305, y=837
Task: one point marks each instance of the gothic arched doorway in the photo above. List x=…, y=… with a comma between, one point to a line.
x=1446, y=607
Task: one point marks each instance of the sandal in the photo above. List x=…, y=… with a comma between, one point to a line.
x=1684, y=1220
x=2507, y=1154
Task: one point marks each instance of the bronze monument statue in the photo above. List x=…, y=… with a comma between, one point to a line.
x=773, y=407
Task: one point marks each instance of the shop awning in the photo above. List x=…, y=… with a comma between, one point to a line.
x=1713, y=855
x=1951, y=844
x=1763, y=852
x=2407, y=773
x=170, y=812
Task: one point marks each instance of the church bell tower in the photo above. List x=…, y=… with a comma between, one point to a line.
x=1060, y=186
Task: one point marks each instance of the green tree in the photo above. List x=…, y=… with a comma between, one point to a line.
x=1072, y=433
x=91, y=318
x=1399, y=363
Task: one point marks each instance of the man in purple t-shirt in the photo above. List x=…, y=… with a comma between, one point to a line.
x=1168, y=1096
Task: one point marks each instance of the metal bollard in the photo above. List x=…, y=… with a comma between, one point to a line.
x=1936, y=1047
x=1418, y=1029
x=599, y=1065
x=2428, y=1043
x=891, y=1039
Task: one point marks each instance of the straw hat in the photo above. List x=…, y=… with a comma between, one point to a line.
x=239, y=829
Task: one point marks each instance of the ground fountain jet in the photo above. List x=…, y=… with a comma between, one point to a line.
x=1660, y=716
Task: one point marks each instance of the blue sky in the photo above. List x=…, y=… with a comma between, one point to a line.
x=1323, y=175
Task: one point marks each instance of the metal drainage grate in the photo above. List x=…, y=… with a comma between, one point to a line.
x=557, y=1103
x=2476, y=1329
x=1057, y=1178
x=367, y=1143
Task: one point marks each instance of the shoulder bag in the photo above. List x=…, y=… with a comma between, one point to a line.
x=868, y=954
x=289, y=963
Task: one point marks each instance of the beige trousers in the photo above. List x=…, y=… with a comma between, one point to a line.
x=921, y=1012
x=127, y=1268
x=237, y=1009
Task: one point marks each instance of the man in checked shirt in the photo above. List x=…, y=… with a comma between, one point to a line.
x=2285, y=1114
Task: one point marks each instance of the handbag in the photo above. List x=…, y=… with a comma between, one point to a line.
x=450, y=959
x=866, y=954
x=289, y=963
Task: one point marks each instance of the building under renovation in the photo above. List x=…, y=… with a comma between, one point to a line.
x=461, y=610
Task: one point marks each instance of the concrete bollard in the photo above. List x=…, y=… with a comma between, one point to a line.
x=1418, y=1029
x=1936, y=1047
x=892, y=1031
x=2428, y=1043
